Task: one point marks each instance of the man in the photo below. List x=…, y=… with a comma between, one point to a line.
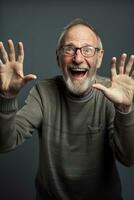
x=85, y=122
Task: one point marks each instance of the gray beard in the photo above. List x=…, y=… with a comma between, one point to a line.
x=78, y=87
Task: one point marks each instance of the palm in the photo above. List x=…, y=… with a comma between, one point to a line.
x=122, y=84
x=121, y=90
x=12, y=78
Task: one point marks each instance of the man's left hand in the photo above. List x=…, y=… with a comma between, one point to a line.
x=122, y=84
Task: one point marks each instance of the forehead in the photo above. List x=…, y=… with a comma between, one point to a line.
x=79, y=35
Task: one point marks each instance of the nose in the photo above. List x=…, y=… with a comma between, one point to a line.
x=78, y=57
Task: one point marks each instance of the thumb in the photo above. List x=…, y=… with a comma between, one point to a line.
x=100, y=87
x=29, y=77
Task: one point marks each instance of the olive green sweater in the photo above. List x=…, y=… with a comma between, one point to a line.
x=80, y=139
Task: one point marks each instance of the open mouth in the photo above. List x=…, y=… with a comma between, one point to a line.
x=78, y=73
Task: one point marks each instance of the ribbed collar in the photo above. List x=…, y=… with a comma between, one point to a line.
x=80, y=98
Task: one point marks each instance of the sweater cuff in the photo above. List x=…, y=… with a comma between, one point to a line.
x=125, y=118
x=8, y=104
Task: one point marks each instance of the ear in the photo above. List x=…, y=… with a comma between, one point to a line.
x=100, y=57
x=57, y=58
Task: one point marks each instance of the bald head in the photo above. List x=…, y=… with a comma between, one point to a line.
x=79, y=23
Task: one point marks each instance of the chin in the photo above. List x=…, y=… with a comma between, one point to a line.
x=77, y=87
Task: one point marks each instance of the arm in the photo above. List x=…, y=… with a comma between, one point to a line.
x=121, y=134
x=15, y=128
x=121, y=127
x=123, y=138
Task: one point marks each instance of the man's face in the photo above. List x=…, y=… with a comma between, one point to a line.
x=79, y=71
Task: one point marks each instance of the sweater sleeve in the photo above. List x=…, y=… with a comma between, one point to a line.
x=121, y=132
x=124, y=136
x=18, y=125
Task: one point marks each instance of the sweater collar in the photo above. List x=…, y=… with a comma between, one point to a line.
x=83, y=97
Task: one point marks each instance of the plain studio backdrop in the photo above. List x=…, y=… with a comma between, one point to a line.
x=38, y=24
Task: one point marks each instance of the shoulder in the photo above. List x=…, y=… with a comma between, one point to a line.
x=49, y=88
x=52, y=83
x=56, y=80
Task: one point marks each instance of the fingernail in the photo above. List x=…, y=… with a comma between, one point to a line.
x=20, y=43
x=9, y=40
x=35, y=77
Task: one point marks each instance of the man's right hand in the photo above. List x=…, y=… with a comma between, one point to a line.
x=12, y=78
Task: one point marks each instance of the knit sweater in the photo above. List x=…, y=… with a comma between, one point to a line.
x=80, y=139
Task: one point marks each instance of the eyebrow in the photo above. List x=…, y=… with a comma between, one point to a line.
x=72, y=44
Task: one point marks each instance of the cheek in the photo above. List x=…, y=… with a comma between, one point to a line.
x=64, y=61
x=92, y=63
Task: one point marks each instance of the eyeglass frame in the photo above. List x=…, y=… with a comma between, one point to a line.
x=78, y=48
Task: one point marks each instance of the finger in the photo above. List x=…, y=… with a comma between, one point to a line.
x=122, y=63
x=100, y=87
x=113, y=68
x=20, y=52
x=1, y=62
x=132, y=75
x=29, y=77
x=11, y=51
x=4, y=53
x=129, y=65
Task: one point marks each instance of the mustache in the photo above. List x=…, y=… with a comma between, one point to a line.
x=73, y=66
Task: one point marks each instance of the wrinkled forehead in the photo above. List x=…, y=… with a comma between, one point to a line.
x=80, y=35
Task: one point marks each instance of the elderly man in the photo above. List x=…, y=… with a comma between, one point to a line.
x=85, y=122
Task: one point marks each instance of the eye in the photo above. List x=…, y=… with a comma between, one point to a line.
x=68, y=50
x=88, y=50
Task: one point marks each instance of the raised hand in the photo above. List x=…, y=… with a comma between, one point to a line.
x=122, y=84
x=12, y=78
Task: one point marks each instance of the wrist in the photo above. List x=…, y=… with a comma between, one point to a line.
x=8, y=94
x=123, y=108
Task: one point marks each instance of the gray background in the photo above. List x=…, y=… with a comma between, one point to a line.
x=37, y=24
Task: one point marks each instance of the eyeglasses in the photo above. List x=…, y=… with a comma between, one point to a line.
x=86, y=51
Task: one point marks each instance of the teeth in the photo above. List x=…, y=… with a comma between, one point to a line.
x=79, y=69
